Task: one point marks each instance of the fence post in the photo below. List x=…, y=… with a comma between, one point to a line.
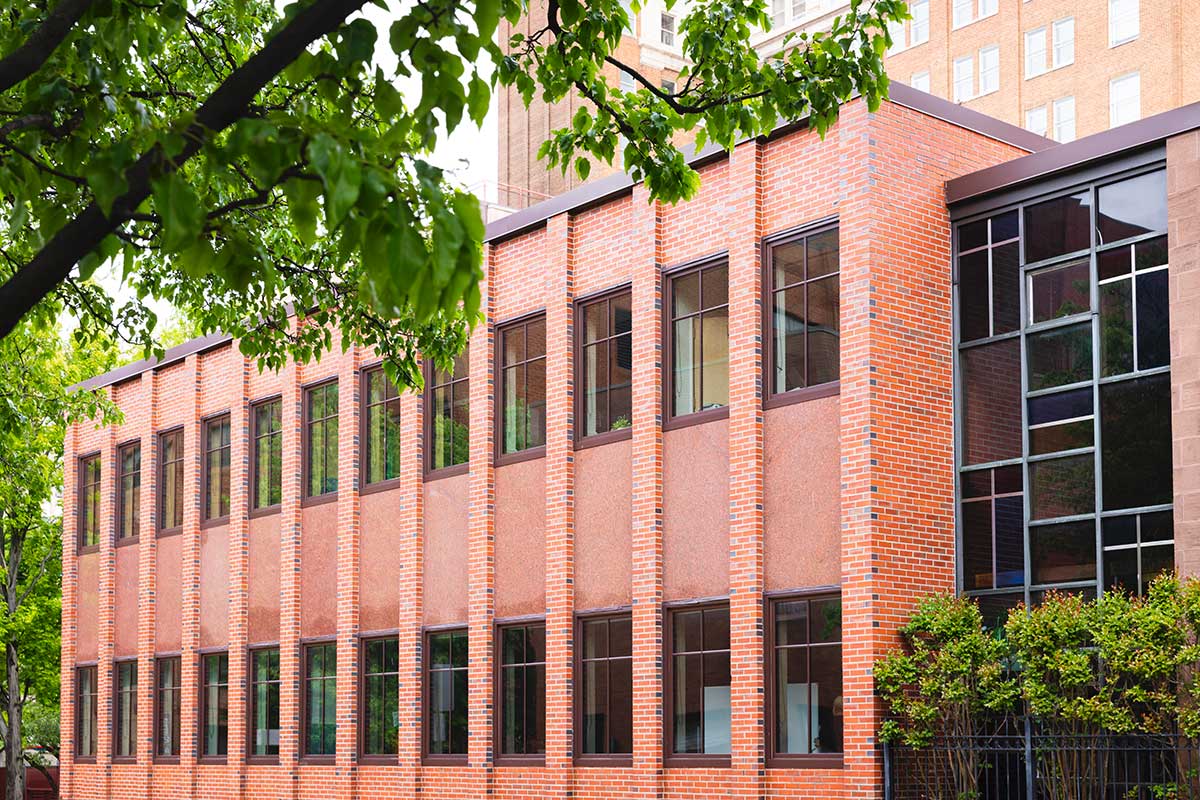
x=1029, y=764
x=887, y=771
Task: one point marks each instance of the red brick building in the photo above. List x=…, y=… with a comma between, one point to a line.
x=650, y=535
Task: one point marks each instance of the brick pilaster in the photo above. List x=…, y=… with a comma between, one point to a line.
x=348, y=530
x=70, y=613
x=190, y=623
x=289, y=580
x=410, y=586
x=147, y=595
x=239, y=567
x=106, y=627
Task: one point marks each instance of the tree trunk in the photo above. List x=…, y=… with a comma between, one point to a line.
x=14, y=753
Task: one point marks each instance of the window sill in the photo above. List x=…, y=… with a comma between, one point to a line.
x=265, y=511
x=124, y=759
x=597, y=439
x=322, y=760
x=380, y=486
x=1113, y=44
x=447, y=472
x=597, y=760
x=319, y=500
x=444, y=760
x=503, y=761
x=503, y=459
x=215, y=522
x=166, y=759
x=263, y=761
x=85, y=759
x=213, y=760
x=379, y=760
x=803, y=395
x=163, y=533
x=805, y=761
x=128, y=541
x=696, y=418
x=697, y=760
x=87, y=549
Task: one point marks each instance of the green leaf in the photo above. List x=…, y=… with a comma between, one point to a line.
x=302, y=196
x=341, y=173
x=179, y=207
x=479, y=96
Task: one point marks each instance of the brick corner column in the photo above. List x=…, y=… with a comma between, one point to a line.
x=106, y=629
x=70, y=613
x=348, y=544
x=290, y=705
x=410, y=586
x=238, y=557
x=147, y=582
x=189, y=662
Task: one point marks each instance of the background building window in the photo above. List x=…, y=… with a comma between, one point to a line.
x=523, y=689
x=805, y=313
x=167, y=699
x=382, y=443
x=964, y=78
x=919, y=27
x=129, y=461
x=699, y=339
x=1035, y=52
x=1035, y=120
x=1124, y=99
x=920, y=81
x=989, y=70
x=1123, y=23
x=125, y=709
x=807, y=674
x=606, y=685
x=1064, y=42
x=170, y=482
x=86, y=724
x=448, y=404
x=626, y=82
x=523, y=385
x=267, y=461
x=381, y=697
x=1064, y=119
x=606, y=362
x=668, y=85
x=214, y=699
x=216, y=468
x=264, y=702
x=320, y=700
x=667, y=30
x=89, y=501
x=447, y=699
x=321, y=441
x=700, y=683
x=964, y=12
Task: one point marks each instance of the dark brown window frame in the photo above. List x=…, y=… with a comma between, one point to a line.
x=364, y=421
x=251, y=686
x=307, y=499
x=670, y=757
x=208, y=520
x=160, y=489
x=583, y=759
x=772, y=398
x=361, y=688
x=672, y=421
x=774, y=758
x=436, y=759
x=529, y=453
x=83, y=499
x=177, y=703
x=305, y=647
x=431, y=386
x=122, y=449
x=117, y=716
x=201, y=699
x=94, y=718
x=510, y=759
x=255, y=437
x=583, y=440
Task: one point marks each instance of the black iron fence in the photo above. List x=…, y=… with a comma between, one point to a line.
x=1018, y=761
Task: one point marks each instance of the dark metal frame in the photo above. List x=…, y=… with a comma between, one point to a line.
x=364, y=420
x=177, y=690
x=251, y=685
x=538, y=451
x=437, y=759
x=81, y=499
x=255, y=436
x=207, y=521
x=670, y=757
x=583, y=440
x=306, y=423
x=671, y=420
x=160, y=488
x=363, y=756
x=122, y=449
x=427, y=421
x=117, y=717
x=501, y=758
x=583, y=759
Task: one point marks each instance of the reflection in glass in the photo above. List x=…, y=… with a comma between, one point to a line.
x=991, y=401
x=1063, y=553
x=1135, y=436
x=1056, y=227
x=1062, y=487
x=1059, y=356
x=1132, y=207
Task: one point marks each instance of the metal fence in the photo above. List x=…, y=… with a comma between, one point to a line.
x=1020, y=762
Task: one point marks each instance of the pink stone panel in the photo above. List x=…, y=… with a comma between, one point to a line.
x=168, y=592
x=521, y=538
x=380, y=561
x=603, y=526
x=263, y=579
x=125, y=602
x=318, y=559
x=214, y=586
x=89, y=594
x=445, y=579
x=696, y=511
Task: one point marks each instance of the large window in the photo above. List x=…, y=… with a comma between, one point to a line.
x=919, y=27
x=522, y=716
x=89, y=501
x=964, y=78
x=805, y=311
x=129, y=490
x=1064, y=393
x=1123, y=22
x=1124, y=99
x=216, y=467
x=448, y=408
x=125, y=709
x=166, y=707
x=1035, y=52
x=264, y=702
x=606, y=363
x=170, y=479
x=989, y=70
x=1064, y=119
x=806, y=676
x=381, y=697
x=523, y=385
x=606, y=686
x=321, y=439
x=214, y=704
x=699, y=681
x=699, y=336
x=86, y=721
x=320, y=699
x=447, y=693
x=1064, y=42
x=267, y=459
x=382, y=440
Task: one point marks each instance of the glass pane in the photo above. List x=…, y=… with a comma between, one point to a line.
x=688, y=682
x=439, y=649
x=595, y=321
x=714, y=286
x=1155, y=561
x=1063, y=553
x=788, y=339
x=1117, y=531
x=594, y=695
x=459, y=649
x=513, y=422
x=991, y=380
x=972, y=235
x=1057, y=226
x=535, y=398
x=995, y=608
x=824, y=331
x=686, y=294
x=1010, y=541
x=1004, y=226
x=535, y=643
x=1150, y=253
x=1059, y=406
x=977, y=545
x=1060, y=356
x=1057, y=438
x=826, y=620
x=973, y=304
x=1153, y=318
x=535, y=338
x=620, y=636
x=595, y=639
x=826, y=699
x=1006, y=288
x=716, y=629
x=535, y=709
x=331, y=455
x=1060, y=291
x=621, y=308
x=1111, y=263
x=716, y=703
x=792, y=700
x=513, y=646
x=791, y=623
x=1132, y=207
x=1121, y=570
x=687, y=632
x=714, y=390
x=620, y=383
x=787, y=263
x=1116, y=328
x=620, y=706
x=514, y=345
x=822, y=254
x=1062, y=487
x=685, y=379
x=595, y=388
x=1135, y=435
x=1158, y=527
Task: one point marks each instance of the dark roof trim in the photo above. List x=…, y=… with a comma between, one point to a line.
x=177, y=353
x=1073, y=155
x=606, y=188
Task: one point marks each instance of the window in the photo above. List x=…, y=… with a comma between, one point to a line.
x=699, y=338
x=170, y=480
x=992, y=552
x=321, y=446
x=216, y=468
x=523, y=385
x=988, y=7
x=989, y=70
x=1124, y=99
x=447, y=693
x=698, y=670
x=166, y=714
x=806, y=678
x=963, y=12
x=1035, y=52
x=668, y=86
x=86, y=725
x=89, y=501
x=125, y=709
x=1123, y=22
x=1035, y=120
x=381, y=697
x=1137, y=549
x=626, y=82
x=630, y=15
x=320, y=699
x=667, y=30
x=919, y=26
x=1064, y=42
x=920, y=81
x=606, y=363
x=447, y=403
x=264, y=702
x=382, y=440
x=267, y=461
x=129, y=492
x=522, y=716
x=214, y=704
x=1064, y=119
x=896, y=30
x=964, y=78
x=606, y=685
x=805, y=314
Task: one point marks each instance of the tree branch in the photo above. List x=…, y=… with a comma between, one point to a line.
x=29, y=57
